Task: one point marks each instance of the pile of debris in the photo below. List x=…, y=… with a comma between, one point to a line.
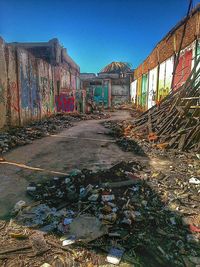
x=120, y=131
x=175, y=122
x=131, y=213
x=19, y=136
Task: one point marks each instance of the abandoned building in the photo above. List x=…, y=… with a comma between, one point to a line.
x=109, y=87
x=153, y=77
x=36, y=79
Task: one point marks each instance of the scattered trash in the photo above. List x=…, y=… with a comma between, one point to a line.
x=19, y=205
x=87, y=228
x=45, y=265
x=194, y=180
x=126, y=207
x=115, y=256
x=107, y=198
x=67, y=221
x=70, y=240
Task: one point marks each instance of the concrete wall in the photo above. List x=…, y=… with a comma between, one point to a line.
x=133, y=91
x=3, y=84
x=31, y=87
x=119, y=93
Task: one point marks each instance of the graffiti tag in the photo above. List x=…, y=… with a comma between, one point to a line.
x=64, y=103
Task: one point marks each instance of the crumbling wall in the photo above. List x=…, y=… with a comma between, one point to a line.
x=26, y=86
x=46, y=87
x=32, y=87
x=120, y=90
x=170, y=44
x=159, y=65
x=65, y=95
x=13, y=96
x=29, y=87
x=3, y=84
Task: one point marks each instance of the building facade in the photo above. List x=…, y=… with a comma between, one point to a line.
x=108, y=88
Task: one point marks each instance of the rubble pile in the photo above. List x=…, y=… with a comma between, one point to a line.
x=127, y=212
x=130, y=107
x=175, y=122
x=19, y=136
x=120, y=131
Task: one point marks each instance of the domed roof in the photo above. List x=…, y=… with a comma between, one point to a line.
x=116, y=67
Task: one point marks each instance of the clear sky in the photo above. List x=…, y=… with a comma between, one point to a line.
x=95, y=32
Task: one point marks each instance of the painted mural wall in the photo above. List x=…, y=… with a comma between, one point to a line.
x=139, y=91
x=46, y=87
x=152, y=87
x=165, y=78
x=159, y=86
x=65, y=99
x=143, y=101
x=184, y=67
x=133, y=91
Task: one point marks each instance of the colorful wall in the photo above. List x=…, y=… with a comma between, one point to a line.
x=152, y=87
x=32, y=88
x=154, y=76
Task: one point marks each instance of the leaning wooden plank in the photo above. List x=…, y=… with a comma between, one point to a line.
x=121, y=183
x=181, y=141
x=15, y=249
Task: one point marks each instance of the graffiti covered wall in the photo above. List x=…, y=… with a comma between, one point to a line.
x=64, y=103
x=13, y=89
x=133, y=91
x=165, y=78
x=33, y=86
x=3, y=84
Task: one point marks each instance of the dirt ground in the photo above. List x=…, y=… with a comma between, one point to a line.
x=86, y=145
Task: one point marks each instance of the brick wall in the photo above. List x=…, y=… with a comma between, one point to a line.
x=171, y=42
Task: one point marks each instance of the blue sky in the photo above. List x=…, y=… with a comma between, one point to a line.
x=96, y=32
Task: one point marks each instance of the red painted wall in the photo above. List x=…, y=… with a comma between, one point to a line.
x=64, y=103
x=183, y=69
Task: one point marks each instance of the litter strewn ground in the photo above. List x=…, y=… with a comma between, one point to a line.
x=18, y=136
x=128, y=214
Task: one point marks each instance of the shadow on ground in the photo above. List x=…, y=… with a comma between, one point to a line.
x=144, y=218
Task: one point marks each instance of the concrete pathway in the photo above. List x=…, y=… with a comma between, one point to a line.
x=82, y=146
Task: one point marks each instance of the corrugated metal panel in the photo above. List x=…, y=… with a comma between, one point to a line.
x=133, y=91
x=152, y=87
